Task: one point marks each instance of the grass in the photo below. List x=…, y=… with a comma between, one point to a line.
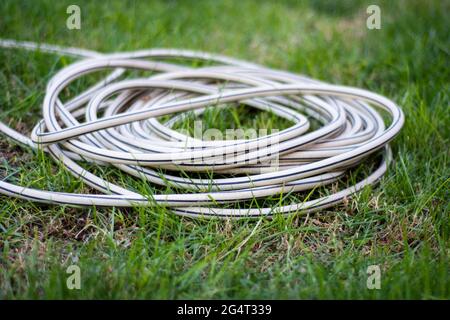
x=402, y=224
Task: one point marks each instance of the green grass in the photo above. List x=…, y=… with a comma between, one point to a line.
x=402, y=224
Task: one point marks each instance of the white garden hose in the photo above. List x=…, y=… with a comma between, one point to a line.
x=115, y=122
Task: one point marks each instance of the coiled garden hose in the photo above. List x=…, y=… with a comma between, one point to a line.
x=116, y=123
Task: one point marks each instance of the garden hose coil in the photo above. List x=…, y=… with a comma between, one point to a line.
x=117, y=122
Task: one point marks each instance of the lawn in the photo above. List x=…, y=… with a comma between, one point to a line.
x=401, y=224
